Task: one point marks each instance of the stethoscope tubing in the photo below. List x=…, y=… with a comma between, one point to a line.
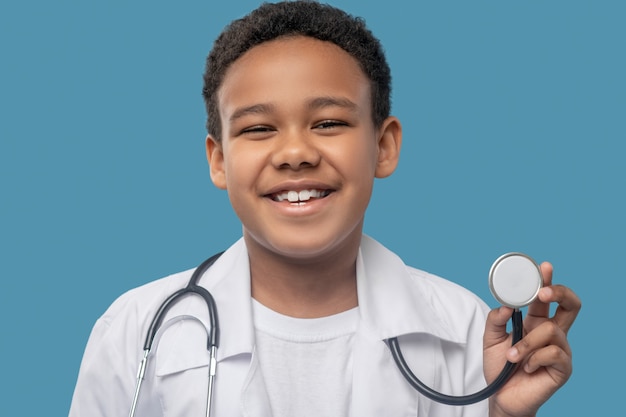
x=488, y=391
x=192, y=288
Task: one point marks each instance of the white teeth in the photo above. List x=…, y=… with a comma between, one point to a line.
x=292, y=196
x=304, y=195
x=295, y=196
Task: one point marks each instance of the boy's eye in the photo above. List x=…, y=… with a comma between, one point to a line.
x=260, y=129
x=329, y=124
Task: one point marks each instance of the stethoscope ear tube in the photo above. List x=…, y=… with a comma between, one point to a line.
x=483, y=394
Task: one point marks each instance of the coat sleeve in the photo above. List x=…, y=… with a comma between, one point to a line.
x=103, y=387
x=108, y=371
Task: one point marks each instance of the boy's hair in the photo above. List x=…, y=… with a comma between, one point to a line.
x=292, y=18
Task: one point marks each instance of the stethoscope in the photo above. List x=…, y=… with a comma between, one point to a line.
x=514, y=280
x=213, y=332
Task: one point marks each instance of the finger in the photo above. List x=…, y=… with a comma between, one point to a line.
x=553, y=357
x=539, y=308
x=546, y=334
x=495, y=327
x=568, y=304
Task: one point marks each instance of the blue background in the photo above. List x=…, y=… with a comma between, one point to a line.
x=514, y=127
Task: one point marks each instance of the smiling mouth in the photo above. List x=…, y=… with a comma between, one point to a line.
x=299, y=196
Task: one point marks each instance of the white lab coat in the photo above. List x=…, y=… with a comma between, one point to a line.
x=439, y=325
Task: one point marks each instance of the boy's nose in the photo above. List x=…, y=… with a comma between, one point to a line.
x=295, y=150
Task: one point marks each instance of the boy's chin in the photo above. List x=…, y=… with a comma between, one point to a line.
x=304, y=248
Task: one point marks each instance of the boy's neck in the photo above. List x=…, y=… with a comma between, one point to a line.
x=312, y=288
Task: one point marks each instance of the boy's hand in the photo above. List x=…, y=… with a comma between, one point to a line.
x=543, y=356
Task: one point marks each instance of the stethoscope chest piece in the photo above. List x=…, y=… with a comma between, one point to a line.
x=515, y=280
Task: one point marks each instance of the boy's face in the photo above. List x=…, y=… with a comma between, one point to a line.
x=299, y=151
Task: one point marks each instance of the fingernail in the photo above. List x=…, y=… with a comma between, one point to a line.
x=513, y=353
x=547, y=292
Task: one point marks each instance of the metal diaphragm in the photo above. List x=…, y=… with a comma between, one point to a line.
x=515, y=280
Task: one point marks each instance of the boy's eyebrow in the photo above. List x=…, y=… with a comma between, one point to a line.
x=254, y=109
x=330, y=101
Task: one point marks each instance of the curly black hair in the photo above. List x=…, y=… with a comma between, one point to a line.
x=292, y=18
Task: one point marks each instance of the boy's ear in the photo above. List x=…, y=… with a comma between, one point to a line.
x=389, y=144
x=215, y=158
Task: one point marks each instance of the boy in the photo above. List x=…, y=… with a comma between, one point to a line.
x=297, y=96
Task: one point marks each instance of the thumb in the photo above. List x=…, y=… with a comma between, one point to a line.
x=495, y=327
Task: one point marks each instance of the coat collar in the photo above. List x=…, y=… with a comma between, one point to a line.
x=228, y=281
x=393, y=301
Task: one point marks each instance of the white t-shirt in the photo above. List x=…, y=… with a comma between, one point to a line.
x=306, y=363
